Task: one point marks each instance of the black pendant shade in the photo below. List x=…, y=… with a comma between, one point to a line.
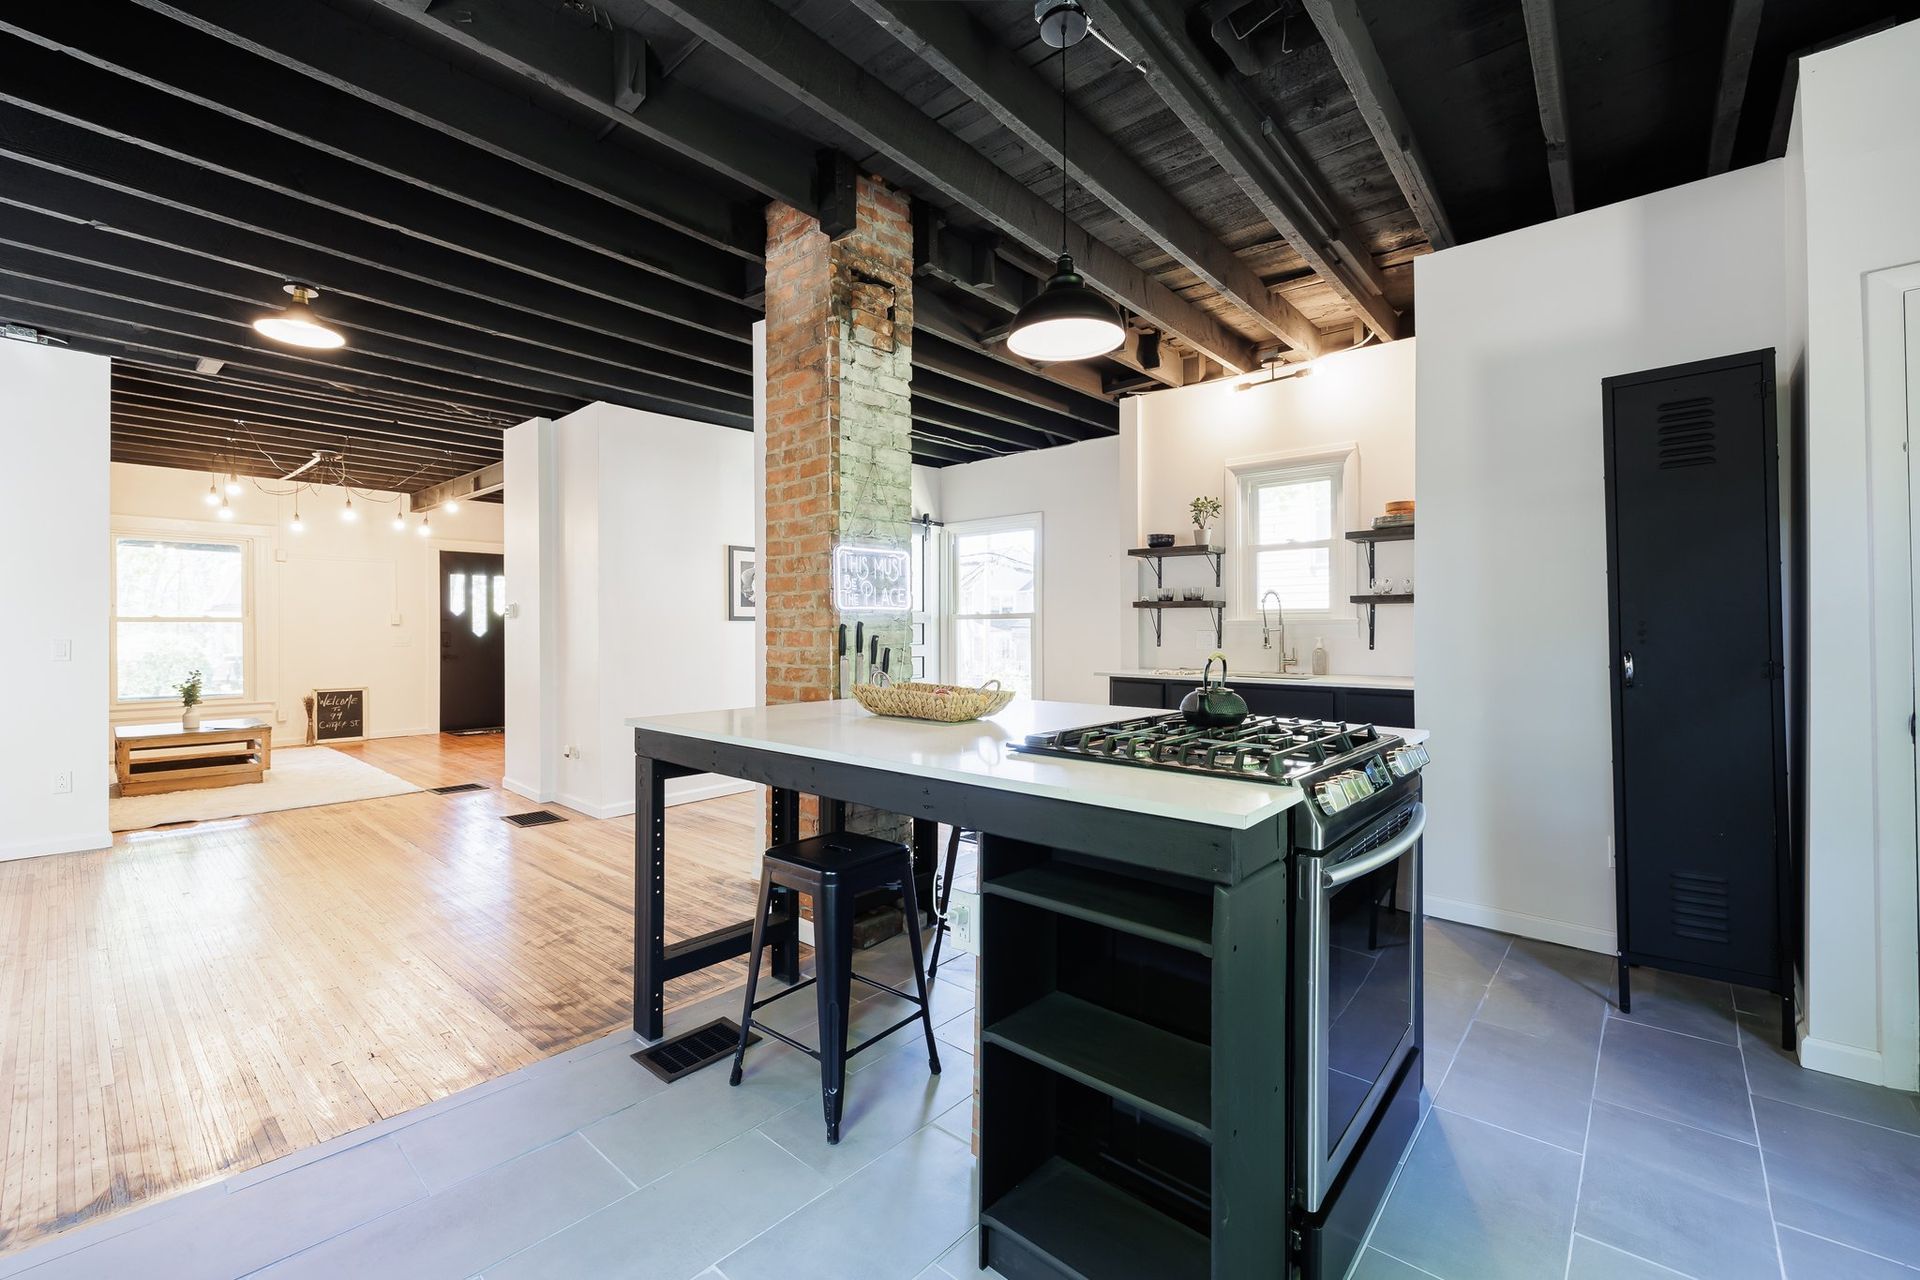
x=1066, y=320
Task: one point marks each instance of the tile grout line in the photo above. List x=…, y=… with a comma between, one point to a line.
x=1581, y=1235
x=1853, y=1247
x=1503, y=1129
x=1586, y=1141
x=1672, y=1031
x=1766, y=1181
x=1403, y=1262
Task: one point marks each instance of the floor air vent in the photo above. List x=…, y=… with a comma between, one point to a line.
x=457, y=788
x=538, y=818
x=685, y=1054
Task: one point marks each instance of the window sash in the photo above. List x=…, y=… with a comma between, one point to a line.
x=1249, y=484
x=242, y=621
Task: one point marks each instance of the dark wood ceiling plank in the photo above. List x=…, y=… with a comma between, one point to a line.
x=246, y=385
x=119, y=189
x=1550, y=87
x=77, y=92
x=930, y=385
x=239, y=405
x=1348, y=40
x=298, y=443
x=775, y=46
x=67, y=251
x=356, y=57
x=1249, y=147
x=205, y=318
x=576, y=57
x=1736, y=61
x=185, y=63
x=378, y=473
x=974, y=60
x=967, y=364
x=934, y=451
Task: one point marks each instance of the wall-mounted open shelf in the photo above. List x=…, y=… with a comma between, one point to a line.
x=1372, y=538
x=1219, y=608
x=1157, y=557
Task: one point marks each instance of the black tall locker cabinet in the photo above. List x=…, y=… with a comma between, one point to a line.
x=1704, y=883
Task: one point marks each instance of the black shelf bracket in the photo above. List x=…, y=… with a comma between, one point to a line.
x=1159, y=563
x=1157, y=611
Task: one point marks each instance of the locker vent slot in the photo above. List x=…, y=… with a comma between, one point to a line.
x=1686, y=430
x=1699, y=906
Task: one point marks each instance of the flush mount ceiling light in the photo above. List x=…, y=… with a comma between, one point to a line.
x=1066, y=320
x=297, y=324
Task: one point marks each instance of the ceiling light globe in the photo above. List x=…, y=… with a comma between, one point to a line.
x=1067, y=320
x=297, y=325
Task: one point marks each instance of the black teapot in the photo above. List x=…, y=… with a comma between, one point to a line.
x=1213, y=705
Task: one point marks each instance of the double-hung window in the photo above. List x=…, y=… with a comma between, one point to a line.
x=179, y=605
x=1291, y=518
x=995, y=592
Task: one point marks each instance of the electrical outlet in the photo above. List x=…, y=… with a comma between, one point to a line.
x=963, y=921
x=63, y=783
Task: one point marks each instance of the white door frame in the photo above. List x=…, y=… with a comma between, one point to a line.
x=1892, y=305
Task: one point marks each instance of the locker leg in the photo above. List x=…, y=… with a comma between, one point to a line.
x=1626, y=990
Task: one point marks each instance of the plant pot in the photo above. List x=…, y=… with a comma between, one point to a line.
x=190, y=717
x=1200, y=537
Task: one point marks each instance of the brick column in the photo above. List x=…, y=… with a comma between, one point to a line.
x=839, y=461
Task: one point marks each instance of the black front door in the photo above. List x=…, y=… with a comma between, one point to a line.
x=473, y=647
x=1694, y=567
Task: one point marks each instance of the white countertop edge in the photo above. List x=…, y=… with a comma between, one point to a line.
x=1259, y=677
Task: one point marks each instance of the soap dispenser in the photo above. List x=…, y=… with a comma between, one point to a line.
x=1319, y=656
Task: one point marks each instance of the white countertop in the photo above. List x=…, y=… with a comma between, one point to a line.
x=1239, y=676
x=980, y=753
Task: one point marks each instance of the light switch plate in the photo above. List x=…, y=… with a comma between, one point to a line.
x=63, y=651
x=963, y=921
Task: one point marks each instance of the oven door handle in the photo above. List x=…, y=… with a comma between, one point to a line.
x=1380, y=857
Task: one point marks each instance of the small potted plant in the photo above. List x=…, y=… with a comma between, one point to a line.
x=190, y=700
x=1205, y=512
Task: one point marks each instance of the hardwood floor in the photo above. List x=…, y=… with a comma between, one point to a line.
x=200, y=999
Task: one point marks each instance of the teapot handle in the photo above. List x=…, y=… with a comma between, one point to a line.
x=1206, y=672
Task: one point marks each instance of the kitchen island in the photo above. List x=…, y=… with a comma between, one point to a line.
x=1140, y=992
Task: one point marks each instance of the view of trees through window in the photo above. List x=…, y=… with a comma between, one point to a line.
x=179, y=607
x=995, y=607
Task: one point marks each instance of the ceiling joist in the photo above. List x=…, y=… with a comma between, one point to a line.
x=1550, y=87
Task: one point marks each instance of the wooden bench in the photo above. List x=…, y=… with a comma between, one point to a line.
x=150, y=758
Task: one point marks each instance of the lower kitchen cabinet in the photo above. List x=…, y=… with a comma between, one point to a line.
x=1356, y=704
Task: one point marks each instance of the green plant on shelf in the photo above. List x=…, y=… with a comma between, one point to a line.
x=1205, y=511
x=189, y=689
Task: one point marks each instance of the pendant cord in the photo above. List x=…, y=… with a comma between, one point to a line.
x=1063, y=149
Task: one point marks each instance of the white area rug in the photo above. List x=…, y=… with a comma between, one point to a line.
x=300, y=778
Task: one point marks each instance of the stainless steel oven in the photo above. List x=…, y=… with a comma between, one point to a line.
x=1357, y=986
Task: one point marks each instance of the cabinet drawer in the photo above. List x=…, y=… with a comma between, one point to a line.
x=1136, y=693
x=1306, y=701
x=1380, y=706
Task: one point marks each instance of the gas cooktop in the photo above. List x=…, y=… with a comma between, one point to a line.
x=1275, y=749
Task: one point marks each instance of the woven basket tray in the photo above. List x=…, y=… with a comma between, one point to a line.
x=950, y=703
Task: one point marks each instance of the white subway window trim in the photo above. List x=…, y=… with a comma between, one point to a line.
x=181, y=603
x=1285, y=533
x=993, y=603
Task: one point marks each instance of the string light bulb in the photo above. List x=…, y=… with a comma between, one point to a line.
x=451, y=507
x=213, y=491
x=347, y=513
x=225, y=511
x=233, y=482
x=424, y=529
x=399, y=523
x=297, y=525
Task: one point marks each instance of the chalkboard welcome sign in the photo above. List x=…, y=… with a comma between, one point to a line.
x=339, y=715
x=871, y=579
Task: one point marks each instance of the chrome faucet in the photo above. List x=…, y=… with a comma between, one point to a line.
x=1277, y=623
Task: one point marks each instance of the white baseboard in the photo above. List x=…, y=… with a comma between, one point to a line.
x=580, y=805
x=525, y=791
x=69, y=843
x=1846, y=1060
x=1567, y=934
x=705, y=786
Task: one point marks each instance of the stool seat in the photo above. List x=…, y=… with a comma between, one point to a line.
x=838, y=851
x=833, y=870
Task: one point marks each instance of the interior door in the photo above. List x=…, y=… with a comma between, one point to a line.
x=473, y=646
x=1694, y=565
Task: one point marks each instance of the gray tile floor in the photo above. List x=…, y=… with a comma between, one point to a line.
x=1563, y=1142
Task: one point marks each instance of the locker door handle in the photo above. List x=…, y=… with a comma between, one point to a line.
x=1626, y=670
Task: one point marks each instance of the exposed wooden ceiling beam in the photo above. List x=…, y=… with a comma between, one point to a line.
x=972, y=422
x=219, y=405
x=64, y=251
x=811, y=71
x=933, y=449
x=289, y=445
x=213, y=423
x=1549, y=86
x=975, y=61
x=936, y=315
x=111, y=104
x=1251, y=148
x=572, y=55
x=369, y=62
x=251, y=389
x=1352, y=47
x=123, y=190
x=1736, y=61
x=126, y=446
x=491, y=478
x=929, y=385
x=969, y=364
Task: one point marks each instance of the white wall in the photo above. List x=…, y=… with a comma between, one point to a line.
x=1083, y=540
x=532, y=550
x=1186, y=439
x=1861, y=157
x=353, y=604
x=53, y=524
x=631, y=614
x=1516, y=334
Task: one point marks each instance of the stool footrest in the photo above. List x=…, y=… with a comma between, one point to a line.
x=802, y=985
x=783, y=1038
x=910, y=1018
x=892, y=991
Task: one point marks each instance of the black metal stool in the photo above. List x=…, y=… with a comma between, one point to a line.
x=833, y=870
x=942, y=896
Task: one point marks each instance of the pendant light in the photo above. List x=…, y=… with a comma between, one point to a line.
x=347, y=513
x=213, y=491
x=399, y=522
x=1066, y=320
x=297, y=525
x=297, y=325
x=424, y=530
